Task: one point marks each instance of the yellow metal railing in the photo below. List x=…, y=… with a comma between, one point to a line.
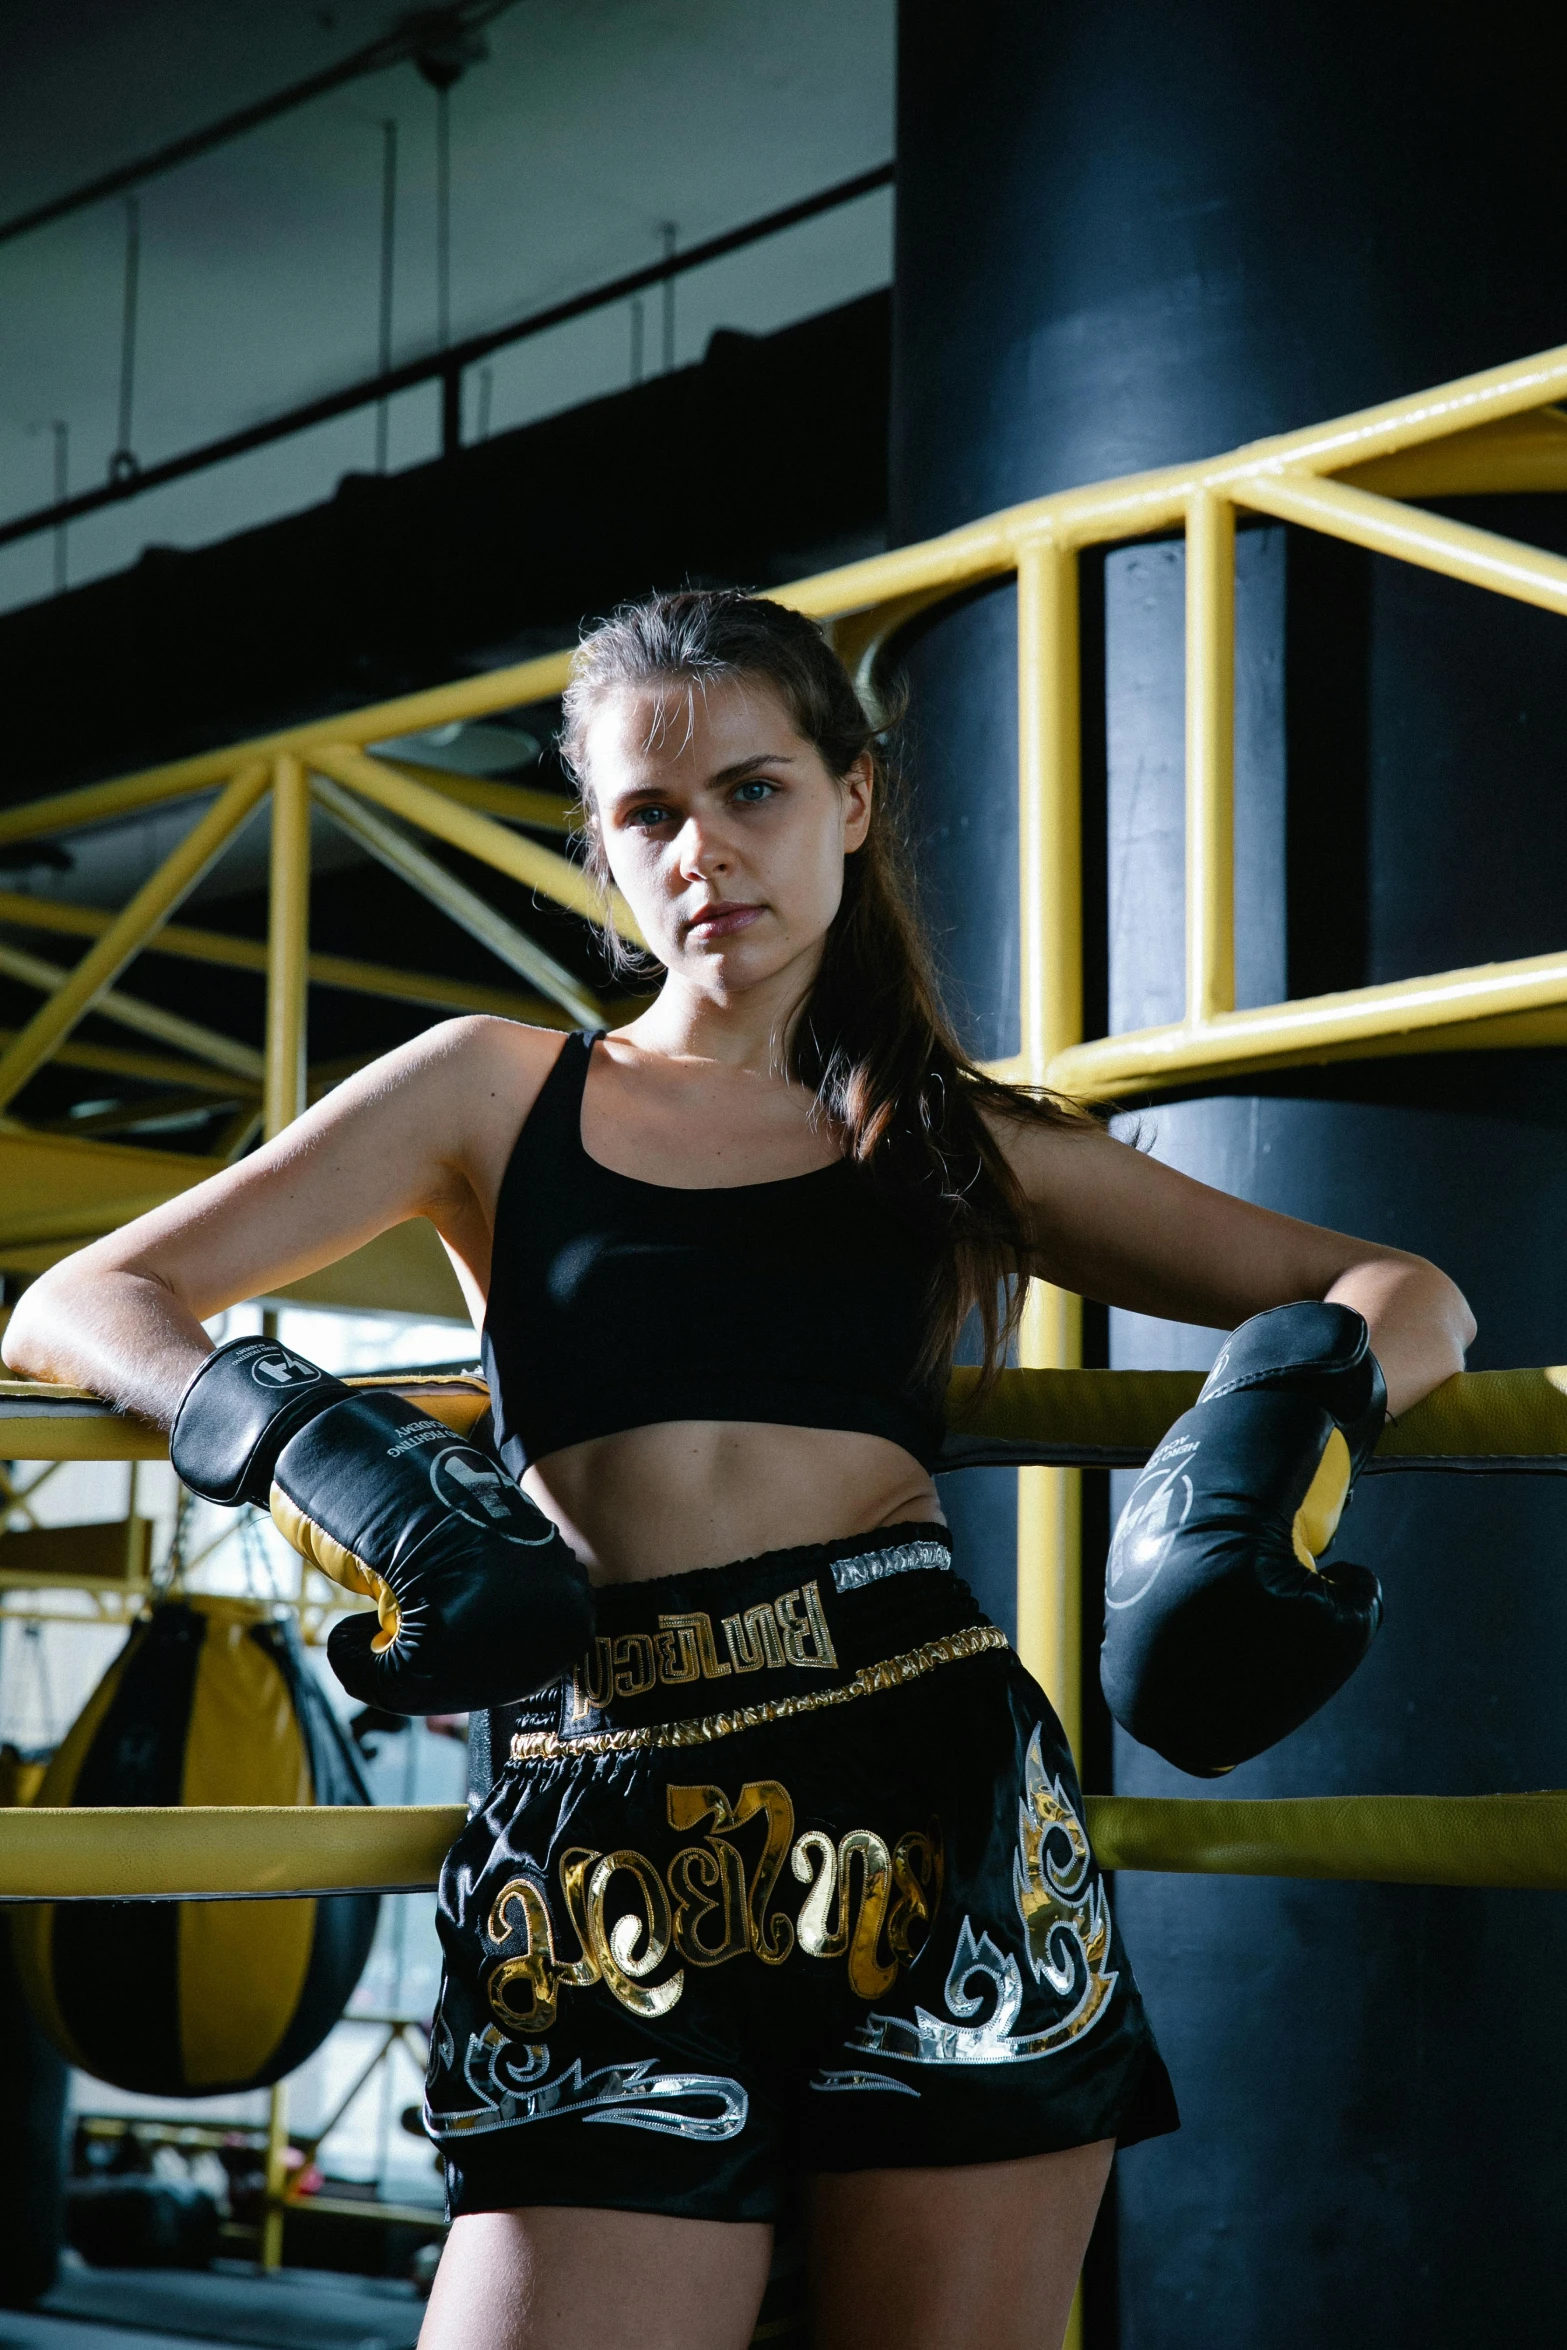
x=1352, y=478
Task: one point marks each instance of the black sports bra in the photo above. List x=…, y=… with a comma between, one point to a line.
x=615, y=1303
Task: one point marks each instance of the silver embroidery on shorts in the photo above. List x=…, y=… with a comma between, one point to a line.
x=1066, y=1929
x=509, y=2082
x=874, y=1566
x=863, y=2080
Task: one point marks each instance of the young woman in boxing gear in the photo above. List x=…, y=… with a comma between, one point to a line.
x=783, y=1873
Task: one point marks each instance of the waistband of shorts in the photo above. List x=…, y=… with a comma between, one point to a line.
x=683, y=1658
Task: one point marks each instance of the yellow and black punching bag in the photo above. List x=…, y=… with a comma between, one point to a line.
x=209, y=1701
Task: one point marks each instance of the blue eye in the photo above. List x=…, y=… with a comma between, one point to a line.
x=755, y=789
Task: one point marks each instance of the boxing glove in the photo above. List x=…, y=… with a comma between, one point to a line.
x=1222, y=1631
x=237, y=1414
x=479, y=1601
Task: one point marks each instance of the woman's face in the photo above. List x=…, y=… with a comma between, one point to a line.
x=723, y=828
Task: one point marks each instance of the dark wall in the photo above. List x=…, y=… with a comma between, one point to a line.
x=1130, y=236
x=764, y=463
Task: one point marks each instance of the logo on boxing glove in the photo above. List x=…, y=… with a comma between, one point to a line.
x=278, y=1368
x=1160, y=1504
x=464, y=1482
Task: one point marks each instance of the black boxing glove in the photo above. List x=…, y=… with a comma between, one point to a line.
x=241, y=1408
x=479, y=1600
x=1222, y=1632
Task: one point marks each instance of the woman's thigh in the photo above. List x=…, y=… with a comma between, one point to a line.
x=979, y=2258
x=554, y=2278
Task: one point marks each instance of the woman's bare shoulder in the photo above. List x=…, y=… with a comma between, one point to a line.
x=475, y=1082
x=467, y=1060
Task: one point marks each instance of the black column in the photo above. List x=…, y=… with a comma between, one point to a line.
x=1130, y=235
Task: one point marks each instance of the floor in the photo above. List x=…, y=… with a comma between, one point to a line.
x=170, y=2309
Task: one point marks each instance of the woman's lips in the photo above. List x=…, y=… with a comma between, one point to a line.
x=722, y=921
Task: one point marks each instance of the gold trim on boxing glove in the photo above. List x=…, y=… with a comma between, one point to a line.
x=1316, y=1520
x=321, y=1549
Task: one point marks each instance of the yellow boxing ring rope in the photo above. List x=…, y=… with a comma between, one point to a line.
x=211, y=1853
x=1488, y=1421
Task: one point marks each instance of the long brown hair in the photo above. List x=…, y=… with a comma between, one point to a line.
x=872, y=1039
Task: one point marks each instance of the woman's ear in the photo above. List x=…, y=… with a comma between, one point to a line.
x=858, y=790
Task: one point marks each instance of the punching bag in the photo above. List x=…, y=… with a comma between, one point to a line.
x=210, y=1701
x=1135, y=236
x=32, y=2117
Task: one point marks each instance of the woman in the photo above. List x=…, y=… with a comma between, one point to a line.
x=834, y=1917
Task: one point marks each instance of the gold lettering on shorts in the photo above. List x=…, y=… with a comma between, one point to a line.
x=520, y=1908
x=707, y=1879
x=574, y=1865
x=899, y=1891
x=789, y=1630
x=636, y=1945
x=795, y=1634
x=590, y=1686
x=698, y=1658
x=771, y=1938
x=918, y=1865
x=753, y=1639
x=866, y=1903
x=635, y=1669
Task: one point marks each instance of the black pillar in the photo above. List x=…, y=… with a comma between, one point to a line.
x=1127, y=236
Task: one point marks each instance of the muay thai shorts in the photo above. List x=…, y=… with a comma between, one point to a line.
x=790, y=1875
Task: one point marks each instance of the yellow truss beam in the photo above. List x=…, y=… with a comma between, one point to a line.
x=129, y=931
x=458, y=902
x=514, y=803
x=288, y=946
x=544, y=870
x=131, y=1011
x=354, y=977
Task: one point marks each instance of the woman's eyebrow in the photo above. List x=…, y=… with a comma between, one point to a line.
x=743, y=766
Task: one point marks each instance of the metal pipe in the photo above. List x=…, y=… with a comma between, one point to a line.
x=149, y=1068
x=474, y=697
x=514, y=803
x=545, y=870
x=442, y=365
x=388, y=283
x=463, y=905
x=250, y=954
x=1481, y=557
x=288, y=947
x=670, y=235
x=1050, y=850
x=443, y=216
x=271, y=2247
x=410, y=35
x=1278, y=1035
x=123, y=465
x=62, y=491
x=144, y=1019
x=1050, y=918
x=1210, y=757
x=148, y=909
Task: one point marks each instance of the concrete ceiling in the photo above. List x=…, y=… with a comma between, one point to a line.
x=593, y=122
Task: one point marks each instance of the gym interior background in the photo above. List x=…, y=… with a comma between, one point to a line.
x=351, y=354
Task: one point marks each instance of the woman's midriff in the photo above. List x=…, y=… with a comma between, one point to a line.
x=677, y=1495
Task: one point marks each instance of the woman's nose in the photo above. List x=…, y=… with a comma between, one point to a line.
x=700, y=851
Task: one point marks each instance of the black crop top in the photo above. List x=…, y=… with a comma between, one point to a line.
x=614, y=1303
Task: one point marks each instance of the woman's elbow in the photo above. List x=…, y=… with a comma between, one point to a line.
x=38, y=1322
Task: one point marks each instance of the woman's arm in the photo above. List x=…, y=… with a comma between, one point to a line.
x=418, y=1133
x=1115, y=1225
